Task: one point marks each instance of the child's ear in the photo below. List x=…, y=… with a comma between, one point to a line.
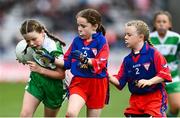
x=141, y=36
x=95, y=27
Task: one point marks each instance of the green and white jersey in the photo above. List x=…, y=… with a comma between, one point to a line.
x=169, y=46
x=50, y=91
x=49, y=47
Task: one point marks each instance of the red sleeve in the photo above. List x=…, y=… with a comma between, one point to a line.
x=120, y=72
x=67, y=58
x=67, y=53
x=162, y=67
x=100, y=61
x=121, y=76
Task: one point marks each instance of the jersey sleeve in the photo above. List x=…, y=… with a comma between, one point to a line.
x=100, y=60
x=67, y=56
x=121, y=76
x=162, y=67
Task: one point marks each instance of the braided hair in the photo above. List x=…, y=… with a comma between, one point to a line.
x=142, y=28
x=33, y=25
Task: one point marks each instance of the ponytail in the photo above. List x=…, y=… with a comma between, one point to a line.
x=149, y=42
x=101, y=29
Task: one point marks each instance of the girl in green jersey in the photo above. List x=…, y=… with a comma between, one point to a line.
x=45, y=83
x=168, y=43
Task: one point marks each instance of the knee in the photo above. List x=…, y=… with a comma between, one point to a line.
x=26, y=113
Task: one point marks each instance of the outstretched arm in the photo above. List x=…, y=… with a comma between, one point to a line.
x=113, y=80
x=120, y=79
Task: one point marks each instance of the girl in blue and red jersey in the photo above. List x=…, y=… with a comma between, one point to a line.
x=87, y=58
x=145, y=70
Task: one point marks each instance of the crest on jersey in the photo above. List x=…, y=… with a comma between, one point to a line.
x=94, y=50
x=146, y=66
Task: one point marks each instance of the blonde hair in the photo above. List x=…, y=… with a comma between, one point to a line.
x=141, y=28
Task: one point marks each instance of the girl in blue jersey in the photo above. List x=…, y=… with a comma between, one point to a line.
x=145, y=70
x=87, y=58
x=168, y=43
x=45, y=83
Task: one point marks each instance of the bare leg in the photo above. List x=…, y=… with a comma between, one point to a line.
x=50, y=112
x=75, y=104
x=30, y=104
x=174, y=102
x=93, y=112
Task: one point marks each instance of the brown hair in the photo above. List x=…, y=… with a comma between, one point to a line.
x=141, y=28
x=33, y=25
x=93, y=17
x=162, y=13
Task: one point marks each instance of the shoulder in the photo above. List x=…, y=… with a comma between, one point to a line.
x=76, y=40
x=49, y=44
x=153, y=34
x=99, y=37
x=172, y=33
x=154, y=51
x=127, y=58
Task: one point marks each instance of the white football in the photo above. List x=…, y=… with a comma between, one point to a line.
x=20, y=54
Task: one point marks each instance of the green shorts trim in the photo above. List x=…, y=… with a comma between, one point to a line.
x=173, y=87
x=49, y=91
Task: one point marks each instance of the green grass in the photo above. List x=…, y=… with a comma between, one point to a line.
x=11, y=96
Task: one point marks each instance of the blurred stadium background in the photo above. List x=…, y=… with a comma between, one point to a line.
x=59, y=18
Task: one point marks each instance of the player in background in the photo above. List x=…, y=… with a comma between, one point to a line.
x=87, y=58
x=145, y=70
x=168, y=43
x=45, y=83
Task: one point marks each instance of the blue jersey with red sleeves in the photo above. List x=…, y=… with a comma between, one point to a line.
x=147, y=64
x=97, y=50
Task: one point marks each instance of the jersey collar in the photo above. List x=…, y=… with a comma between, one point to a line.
x=143, y=50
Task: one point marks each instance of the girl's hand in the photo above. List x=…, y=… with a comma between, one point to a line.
x=79, y=56
x=34, y=67
x=142, y=83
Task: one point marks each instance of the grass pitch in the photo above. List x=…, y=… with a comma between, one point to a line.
x=11, y=96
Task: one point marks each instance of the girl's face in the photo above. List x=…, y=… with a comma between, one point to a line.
x=162, y=23
x=34, y=39
x=132, y=38
x=85, y=29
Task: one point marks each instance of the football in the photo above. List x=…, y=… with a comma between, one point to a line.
x=22, y=55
